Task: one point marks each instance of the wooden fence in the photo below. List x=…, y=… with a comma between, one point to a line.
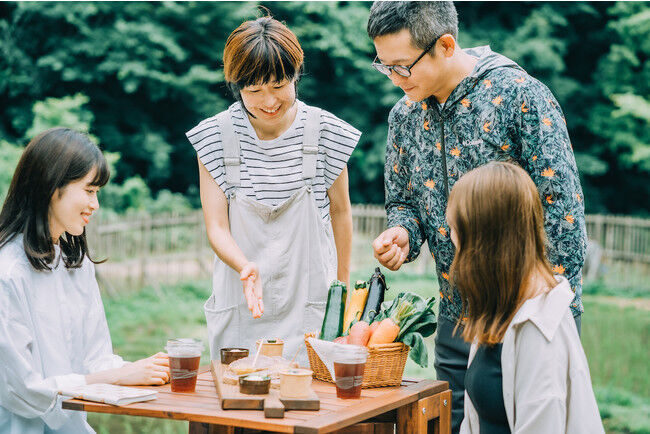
x=621, y=238
x=169, y=247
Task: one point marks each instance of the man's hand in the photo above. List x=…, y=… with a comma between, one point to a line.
x=250, y=276
x=392, y=247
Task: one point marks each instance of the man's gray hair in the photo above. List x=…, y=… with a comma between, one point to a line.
x=425, y=21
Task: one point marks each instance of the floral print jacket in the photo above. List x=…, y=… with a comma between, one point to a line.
x=498, y=112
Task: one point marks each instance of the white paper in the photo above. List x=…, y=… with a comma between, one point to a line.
x=109, y=393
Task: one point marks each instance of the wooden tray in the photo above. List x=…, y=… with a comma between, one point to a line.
x=272, y=404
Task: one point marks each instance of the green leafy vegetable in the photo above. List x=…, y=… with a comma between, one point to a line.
x=416, y=322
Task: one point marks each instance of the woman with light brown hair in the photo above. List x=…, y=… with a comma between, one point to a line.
x=274, y=190
x=527, y=371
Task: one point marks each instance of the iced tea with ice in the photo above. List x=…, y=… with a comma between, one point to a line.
x=349, y=377
x=349, y=365
x=184, y=360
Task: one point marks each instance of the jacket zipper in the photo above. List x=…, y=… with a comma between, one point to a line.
x=444, y=153
x=441, y=119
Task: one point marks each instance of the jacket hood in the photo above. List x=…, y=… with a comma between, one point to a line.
x=489, y=60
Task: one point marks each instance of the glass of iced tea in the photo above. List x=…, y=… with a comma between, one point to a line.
x=184, y=359
x=349, y=364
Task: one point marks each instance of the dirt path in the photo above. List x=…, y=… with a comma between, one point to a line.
x=638, y=303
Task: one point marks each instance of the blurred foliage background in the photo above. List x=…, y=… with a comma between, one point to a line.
x=137, y=75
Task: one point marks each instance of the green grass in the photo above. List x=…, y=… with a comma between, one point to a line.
x=623, y=411
x=110, y=424
x=615, y=340
x=606, y=286
x=621, y=279
x=141, y=322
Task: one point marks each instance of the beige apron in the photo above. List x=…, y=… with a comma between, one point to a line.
x=295, y=252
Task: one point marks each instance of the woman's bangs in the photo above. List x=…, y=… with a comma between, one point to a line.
x=268, y=64
x=102, y=172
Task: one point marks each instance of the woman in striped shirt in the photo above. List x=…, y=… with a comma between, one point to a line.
x=274, y=190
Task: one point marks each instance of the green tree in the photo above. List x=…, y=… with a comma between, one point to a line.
x=68, y=112
x=131, y=196
x=9, y=155
x=621, y=121
x=151, y=71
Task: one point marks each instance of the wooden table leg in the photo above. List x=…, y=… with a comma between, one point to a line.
x=442, y=425
x=414, y=418
x=368, y=428
x=207, y=428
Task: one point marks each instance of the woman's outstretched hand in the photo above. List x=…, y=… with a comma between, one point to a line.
x=250, y=276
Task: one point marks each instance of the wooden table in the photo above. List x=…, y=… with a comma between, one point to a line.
x=409, y=407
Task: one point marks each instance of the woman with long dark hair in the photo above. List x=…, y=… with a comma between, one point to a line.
x=53, y=331
x=527, y=371
x=274, y=190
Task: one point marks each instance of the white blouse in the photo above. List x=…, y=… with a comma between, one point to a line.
x=546, y=381
x=53, y=331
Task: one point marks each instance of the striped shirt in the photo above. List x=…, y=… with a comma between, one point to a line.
x=271, y=170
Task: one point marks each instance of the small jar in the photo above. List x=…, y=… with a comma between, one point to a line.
x=229, y=355
x=254, y=384
x=295, y=383
x=270, y=347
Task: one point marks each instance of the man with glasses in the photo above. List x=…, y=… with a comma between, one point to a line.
x=462, y=109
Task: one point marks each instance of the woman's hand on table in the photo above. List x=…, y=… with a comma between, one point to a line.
x=153, y=370
x=252, y=283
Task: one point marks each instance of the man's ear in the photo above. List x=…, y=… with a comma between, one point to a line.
x=447, y=44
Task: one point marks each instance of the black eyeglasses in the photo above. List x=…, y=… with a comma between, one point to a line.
x=404, y=71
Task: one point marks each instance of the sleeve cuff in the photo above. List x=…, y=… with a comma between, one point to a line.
x=108, y=361
x=70, y=380
x=415, y=238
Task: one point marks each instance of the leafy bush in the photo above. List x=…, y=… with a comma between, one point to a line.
x=132, y=196
x=622, y=411
x=9, y=156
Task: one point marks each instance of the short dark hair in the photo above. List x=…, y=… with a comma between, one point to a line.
x=260, y=50
x=425, y=21
x=52, y=160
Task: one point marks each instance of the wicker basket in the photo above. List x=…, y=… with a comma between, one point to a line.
x=384, y=367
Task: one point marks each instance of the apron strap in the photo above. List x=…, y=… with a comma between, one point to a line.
x=231, y=153
x=310, y=144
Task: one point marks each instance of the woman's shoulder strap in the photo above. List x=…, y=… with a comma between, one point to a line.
x=231, y=148
x=311, y=136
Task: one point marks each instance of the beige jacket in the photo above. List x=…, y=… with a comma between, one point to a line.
x=546, y=382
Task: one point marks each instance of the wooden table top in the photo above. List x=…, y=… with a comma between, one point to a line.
x=334, y=413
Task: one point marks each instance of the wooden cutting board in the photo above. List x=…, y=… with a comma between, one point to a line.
x=272, y=403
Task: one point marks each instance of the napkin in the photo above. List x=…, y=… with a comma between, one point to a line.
x=327, y=350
